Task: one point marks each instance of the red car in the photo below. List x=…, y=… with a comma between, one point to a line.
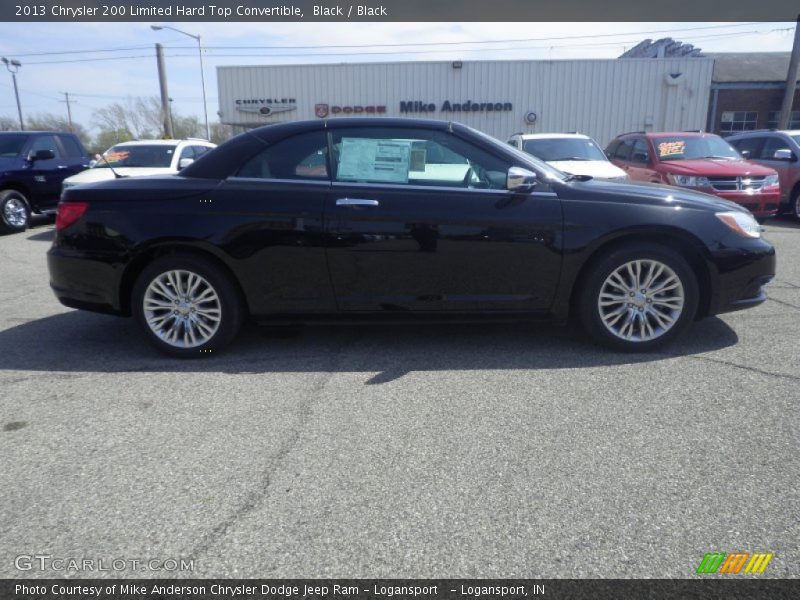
x=701, y=161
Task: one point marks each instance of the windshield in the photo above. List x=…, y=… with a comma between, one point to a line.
x=693, y=147
x=561, y=149
x=11, y=144
x=155, y=155
x=796, y=138
x=547, y=170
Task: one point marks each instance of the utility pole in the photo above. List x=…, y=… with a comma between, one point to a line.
x=791, y=80
x=162, y=84
x=69, y=110
x=13, y=66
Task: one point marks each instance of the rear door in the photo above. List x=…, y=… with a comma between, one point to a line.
x=419, y=219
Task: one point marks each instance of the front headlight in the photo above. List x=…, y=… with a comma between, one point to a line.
x=691, y=181
x=771, y=180
x=742, y=223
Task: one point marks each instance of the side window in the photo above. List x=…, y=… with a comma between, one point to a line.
x=200, y=150
x=46, y=142
x=752, y=145
x=70, y=146
x=623, y=151
x=414, y=157
x=187, y=152
x=640, y=153
x=772, y=145
x=612, y=148
x=302, y=156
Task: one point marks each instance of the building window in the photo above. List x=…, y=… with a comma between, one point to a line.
x=794, y=119
x=738, y=120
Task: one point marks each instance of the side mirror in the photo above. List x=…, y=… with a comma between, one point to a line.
x=520, y=180
x=783, y=154
x=184, y=162
x=41, y=155
x=745, y=153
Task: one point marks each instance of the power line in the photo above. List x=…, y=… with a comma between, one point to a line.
x=401, y=52
x=405, y=44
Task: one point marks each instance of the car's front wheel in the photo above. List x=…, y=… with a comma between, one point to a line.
x=638, y=297
x=15, y=213
x=187, y=306
x=796, y=204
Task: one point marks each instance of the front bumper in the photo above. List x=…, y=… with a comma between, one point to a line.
x=761, y=204
x=742, y=274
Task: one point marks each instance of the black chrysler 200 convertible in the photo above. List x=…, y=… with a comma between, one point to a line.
x=398, y=217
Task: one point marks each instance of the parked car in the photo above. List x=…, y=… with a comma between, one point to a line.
x=262, y=227
x=142, y=157
x=778, y=150
x=700, y=161
x=569, y=152
x=32, y=166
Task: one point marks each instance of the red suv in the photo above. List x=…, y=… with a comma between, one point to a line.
x=701, y=161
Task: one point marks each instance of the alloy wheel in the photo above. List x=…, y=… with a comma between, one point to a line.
x=641, y=300
x=15, y=212
x=182, y=308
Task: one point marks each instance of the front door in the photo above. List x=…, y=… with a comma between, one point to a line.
x=419, y=219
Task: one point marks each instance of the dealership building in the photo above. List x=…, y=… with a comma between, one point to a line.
x=600, y=98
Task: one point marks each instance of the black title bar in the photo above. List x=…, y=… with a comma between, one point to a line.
x=731, y=588
x=398, y=10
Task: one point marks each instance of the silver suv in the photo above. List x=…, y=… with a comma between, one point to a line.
x=779, y=150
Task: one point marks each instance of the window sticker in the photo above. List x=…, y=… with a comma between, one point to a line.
x=118, y=156
x=675, y=148
x=384, y=161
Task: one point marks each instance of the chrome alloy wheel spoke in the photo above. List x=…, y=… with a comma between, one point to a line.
x=641, y=300
x=182, y=308
x=14, y=212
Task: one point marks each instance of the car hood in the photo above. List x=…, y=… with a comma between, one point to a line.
x=104, y=173
x=594, y=168
x=716, y=167
x=654, y=194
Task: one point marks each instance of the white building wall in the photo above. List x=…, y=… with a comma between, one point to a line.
x=601, y=98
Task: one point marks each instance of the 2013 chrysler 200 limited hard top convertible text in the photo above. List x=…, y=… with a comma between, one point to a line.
x=398, y=217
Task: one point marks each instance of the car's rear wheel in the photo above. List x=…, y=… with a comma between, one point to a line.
x=638, y=297
x=187, y=306
x=15, y=213
x=796, y=204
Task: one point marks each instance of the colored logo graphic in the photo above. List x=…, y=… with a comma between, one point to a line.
x=732, y=563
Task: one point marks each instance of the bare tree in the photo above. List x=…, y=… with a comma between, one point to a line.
x=51, y=122
x=8, y=123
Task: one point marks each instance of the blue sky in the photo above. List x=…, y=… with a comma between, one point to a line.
x=94, y=83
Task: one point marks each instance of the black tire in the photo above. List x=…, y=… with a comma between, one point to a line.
x=795, y=204
x=597, y=276
x=15, y=212
x=227, y=305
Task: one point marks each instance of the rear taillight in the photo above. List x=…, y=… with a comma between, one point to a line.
x=69, y=213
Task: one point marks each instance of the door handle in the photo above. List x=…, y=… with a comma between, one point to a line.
x=356, y=202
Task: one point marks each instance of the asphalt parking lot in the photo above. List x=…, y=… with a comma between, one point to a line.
x=429, y=451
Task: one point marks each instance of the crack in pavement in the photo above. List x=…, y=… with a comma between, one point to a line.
x=747, y=368
x=255, y=497
x=784, y=303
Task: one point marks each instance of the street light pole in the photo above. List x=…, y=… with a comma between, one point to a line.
x=202, y=70
x=13, y=66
